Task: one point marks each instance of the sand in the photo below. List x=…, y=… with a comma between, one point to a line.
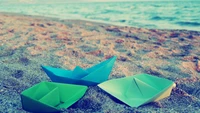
x=27, y=42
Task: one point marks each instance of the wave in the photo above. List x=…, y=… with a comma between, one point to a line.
x=109, y=11
x=177, y=12
x=188, y=23
x=154, y=5
x=163, y=18
x=122, y=21
x=156, y=18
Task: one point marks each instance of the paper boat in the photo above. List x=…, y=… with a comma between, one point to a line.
x=90, y=76
x=49, y=97
x=138, y=89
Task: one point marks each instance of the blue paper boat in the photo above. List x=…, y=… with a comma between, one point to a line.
x=89, y=77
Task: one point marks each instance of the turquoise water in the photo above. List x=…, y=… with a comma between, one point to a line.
x=158, y=15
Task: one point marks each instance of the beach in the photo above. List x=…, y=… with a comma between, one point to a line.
x=27, y=42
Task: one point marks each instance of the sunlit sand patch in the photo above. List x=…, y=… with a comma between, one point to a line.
x=189, y=67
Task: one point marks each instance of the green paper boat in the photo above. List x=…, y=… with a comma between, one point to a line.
x=89, y=77
x=49, y=97
x=138, y=89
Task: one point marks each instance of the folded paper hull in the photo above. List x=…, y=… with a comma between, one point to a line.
x=60, y=79
x=89, y=77
x=139, y=89
x=48, y=97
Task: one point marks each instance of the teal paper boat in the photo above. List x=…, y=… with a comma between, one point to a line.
x=138, y=89
x=49, y=97
x=89, y=77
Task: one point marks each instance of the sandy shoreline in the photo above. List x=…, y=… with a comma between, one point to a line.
x=26, y=42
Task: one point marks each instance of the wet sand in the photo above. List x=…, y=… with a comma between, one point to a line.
x=27, y=42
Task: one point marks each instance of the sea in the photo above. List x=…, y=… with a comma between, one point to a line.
x=141, y=14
